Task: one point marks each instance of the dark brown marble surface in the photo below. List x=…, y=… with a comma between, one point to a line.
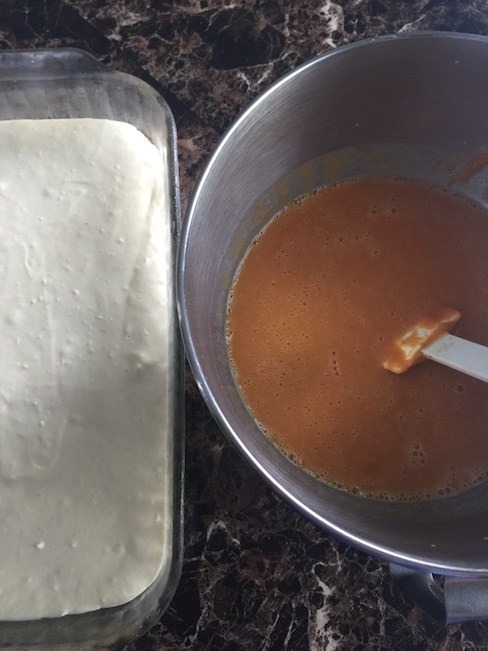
x=256, y=575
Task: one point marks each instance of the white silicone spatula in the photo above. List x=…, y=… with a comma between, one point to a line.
x=430, y=339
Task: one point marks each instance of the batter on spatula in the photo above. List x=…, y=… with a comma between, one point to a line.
x=429, y=338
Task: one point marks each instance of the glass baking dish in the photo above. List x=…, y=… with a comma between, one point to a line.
x=70, y=83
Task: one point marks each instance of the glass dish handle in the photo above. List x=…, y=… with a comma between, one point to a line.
x=463, y=599
x=47, y=63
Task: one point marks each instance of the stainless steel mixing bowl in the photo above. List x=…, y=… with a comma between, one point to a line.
x=411, y=105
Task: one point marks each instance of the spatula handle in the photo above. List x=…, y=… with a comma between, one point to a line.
x=460, y=354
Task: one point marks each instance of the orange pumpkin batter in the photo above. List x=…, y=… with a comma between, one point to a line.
x=321, y=295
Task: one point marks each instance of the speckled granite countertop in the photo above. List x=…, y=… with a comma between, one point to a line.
x=256, y=575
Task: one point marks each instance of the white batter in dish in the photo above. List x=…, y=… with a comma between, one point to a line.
x=84, y=269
